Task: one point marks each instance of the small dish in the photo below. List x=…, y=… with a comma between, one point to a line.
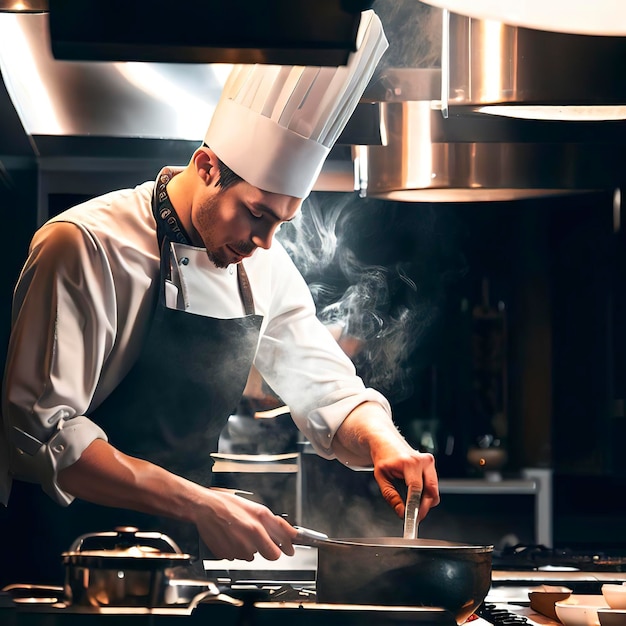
x=543, y=599
x=580, y=610
x=615, y=595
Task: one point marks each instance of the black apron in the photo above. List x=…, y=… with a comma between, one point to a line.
x=169, y=409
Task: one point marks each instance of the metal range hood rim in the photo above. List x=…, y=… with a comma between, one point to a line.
x=495, y=63
x=601, y=17
x=416, y=164
x=24, y=6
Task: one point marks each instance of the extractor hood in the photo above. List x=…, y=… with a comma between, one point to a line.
x=480, y=113
x=421, y=133
x=85, y=115
x=287, y=32
x=581, y=17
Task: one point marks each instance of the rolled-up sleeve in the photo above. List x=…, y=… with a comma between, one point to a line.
x=302, y=362
x=62, y=330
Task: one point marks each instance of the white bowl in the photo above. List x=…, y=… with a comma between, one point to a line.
x=615, y=595
x=580, y=610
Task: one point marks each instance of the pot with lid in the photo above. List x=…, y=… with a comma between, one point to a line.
x=127, y=567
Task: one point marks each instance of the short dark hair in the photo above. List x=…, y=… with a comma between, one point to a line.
x=228, y=178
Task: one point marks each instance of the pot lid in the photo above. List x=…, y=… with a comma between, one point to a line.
x=133, y=557
x=125, y=546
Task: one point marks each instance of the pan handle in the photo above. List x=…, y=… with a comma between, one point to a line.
x=411, y=513
x=308, y=537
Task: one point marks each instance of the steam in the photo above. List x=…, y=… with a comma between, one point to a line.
x=414, y=32
x=381, y=308
x=312, y=241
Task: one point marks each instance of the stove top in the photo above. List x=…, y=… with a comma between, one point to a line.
x=533, y=557
x=285, y=593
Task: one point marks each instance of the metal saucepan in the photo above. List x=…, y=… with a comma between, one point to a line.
x=127, y=567
x=401, y=572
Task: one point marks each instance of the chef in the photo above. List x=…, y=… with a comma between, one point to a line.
x=137, y=318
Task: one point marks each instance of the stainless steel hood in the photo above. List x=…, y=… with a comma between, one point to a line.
x=420, y=134
x=81, y=115
x=469, y=156
x=484, y=119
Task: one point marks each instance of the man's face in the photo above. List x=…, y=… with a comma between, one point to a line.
x=233, y=223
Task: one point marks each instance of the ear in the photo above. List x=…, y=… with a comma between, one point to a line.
x=206, y=164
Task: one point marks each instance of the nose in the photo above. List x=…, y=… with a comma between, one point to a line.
x=263, y=236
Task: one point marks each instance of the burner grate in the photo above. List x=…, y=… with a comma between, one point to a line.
x=499, y=616
x=529, y=557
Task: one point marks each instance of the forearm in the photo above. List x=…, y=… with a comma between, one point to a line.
x=363, y=433
x=368, y=437
x=232, y=527
x=105, y=476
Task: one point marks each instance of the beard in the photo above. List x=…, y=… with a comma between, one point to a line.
x=218, y=259
x=209, y=232
x=243, y=248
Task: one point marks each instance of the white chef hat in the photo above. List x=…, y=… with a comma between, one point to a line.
x=274, y=125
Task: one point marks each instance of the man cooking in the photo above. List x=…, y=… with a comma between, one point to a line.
x=138, y=316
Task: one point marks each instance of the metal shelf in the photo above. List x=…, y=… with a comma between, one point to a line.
x=483, y=486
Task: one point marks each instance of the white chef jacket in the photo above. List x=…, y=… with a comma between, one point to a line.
x=80, y=313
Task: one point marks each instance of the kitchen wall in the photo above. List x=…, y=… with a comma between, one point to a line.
x=18, y=215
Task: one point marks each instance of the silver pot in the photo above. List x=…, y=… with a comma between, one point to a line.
x=127, y=567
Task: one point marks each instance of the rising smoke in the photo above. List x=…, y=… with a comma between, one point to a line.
x=377, y=271
x=414, y=30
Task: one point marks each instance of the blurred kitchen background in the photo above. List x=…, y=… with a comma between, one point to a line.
x=472, y=264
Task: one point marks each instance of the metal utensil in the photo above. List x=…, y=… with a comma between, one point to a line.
x=309, y=537
x=411, y=513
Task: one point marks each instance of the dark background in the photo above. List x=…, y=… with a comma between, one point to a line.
x=555, y=264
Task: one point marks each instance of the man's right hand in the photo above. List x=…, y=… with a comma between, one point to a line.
x=231, y=526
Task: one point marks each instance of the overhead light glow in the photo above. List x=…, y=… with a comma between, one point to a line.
x=492, y=59
x=190, y=113
x=465, y=194
x=583, y=17
x=23, y=6
x=24, y=81
x=571, y=113
x=221, y=72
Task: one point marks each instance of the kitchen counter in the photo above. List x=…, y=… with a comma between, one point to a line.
x=258, y=614
x=250, y=604
x=261, y=614
x=38, y=615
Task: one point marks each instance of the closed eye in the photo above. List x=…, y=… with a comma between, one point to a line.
x=256, y=214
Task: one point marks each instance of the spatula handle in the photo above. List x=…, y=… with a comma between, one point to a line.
x=411, y=513
x=308, y=537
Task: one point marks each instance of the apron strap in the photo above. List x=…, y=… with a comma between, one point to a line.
x=169, y=225
x=245, y=289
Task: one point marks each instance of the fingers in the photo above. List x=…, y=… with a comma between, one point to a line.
x=417, y=471
x=237, y=528
x=389, y=492
x=430, y=493
x=279, y=539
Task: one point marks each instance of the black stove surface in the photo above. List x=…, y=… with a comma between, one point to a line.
x=532, y=557
x=500, y=615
